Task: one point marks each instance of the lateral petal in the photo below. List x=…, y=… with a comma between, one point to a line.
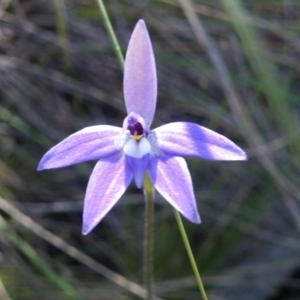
x=189, y=139
x=90, y=143
x=140, y=80
x=108, y=182
x=172, y=179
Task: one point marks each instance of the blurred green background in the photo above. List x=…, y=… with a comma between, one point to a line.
x=230, y=65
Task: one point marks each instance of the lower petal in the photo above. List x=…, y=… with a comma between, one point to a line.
x=108, y=182
x=172, y=180
x=138, y=167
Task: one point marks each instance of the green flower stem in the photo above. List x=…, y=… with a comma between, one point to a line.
x=190, y=254
x=111, y=33
x=148, y=242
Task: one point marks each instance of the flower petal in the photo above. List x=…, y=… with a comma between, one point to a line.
x=140, y=81
x=107, y=184
x=189, y=139
x=138, y=167
x=172, y=180
x=93, y=142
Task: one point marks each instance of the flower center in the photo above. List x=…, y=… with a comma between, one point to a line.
x=136, y=126
x=136, y=131
x=138, y=145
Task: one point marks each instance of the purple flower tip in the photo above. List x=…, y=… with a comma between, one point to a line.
x=132, y=118
x=141, y=22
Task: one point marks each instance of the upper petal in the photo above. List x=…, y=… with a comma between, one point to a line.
x=89, y=143
x=108, y=182
x=140, y=81
x=172, y=180
x=189, y=139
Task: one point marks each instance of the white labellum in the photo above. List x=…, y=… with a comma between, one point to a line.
x=137, y=149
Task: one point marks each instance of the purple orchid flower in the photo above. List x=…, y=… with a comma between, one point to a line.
x=128, y=152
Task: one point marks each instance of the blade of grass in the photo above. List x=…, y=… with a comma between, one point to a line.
x=59, y=243
x=190, y=254
x=3, y=293
x=265, y=71
x=62, y=33
x=38, y=262
x=111, y=33
x=241, y=114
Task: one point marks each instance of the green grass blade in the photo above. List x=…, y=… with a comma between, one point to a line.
x=38, y=262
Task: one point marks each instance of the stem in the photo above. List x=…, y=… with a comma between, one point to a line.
x=148, y=242
x=190, y=254
x=111, y=33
